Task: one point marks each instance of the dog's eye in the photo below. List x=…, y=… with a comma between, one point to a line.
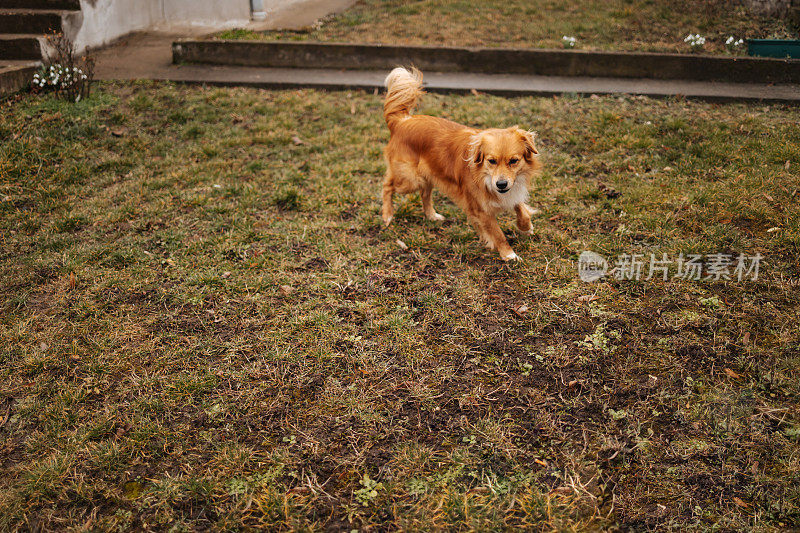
x=513, y=161
x=493, y=161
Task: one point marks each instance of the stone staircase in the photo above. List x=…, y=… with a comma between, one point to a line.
x=23, y=27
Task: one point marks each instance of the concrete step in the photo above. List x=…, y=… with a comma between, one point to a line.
x=524, y=61
x=31, y=21
x=41, y=4
x=21, y=46
x=15, y=75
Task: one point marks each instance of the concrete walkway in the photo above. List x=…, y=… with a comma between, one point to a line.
x=148, y=55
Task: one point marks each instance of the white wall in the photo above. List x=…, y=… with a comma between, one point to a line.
x=106, y=20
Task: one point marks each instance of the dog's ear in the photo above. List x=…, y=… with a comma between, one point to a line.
x=529, y=140
x=475, y=155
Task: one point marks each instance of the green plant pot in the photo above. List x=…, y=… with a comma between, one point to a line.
x=782, y=48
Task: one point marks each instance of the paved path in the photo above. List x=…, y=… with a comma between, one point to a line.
x=148, y=55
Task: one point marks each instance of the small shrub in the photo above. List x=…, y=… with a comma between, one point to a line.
x=66, y=75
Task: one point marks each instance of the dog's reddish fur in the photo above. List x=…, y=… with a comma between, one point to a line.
x=464, y=163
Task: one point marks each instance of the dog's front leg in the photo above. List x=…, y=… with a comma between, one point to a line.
x=523, y=218
x=494, y=236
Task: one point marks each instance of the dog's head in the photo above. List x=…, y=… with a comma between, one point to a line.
x=502, y=156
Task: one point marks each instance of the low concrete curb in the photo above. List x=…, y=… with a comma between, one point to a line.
x=540, y=62
x=15, y=77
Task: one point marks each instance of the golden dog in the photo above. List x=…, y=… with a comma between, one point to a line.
x=483, y=171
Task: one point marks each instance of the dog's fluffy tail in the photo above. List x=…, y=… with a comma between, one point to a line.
x=403, y=89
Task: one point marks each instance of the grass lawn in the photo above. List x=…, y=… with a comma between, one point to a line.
x=641, y=25
x=205, y=325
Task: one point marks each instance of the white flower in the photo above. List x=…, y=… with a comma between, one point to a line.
x=695, y=40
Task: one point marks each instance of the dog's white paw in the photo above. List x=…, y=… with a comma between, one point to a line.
x=436, y=217
x=512, y=257
x=387, y=220
x=529, y=232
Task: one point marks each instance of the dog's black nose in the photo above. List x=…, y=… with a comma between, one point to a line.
x=502, y=185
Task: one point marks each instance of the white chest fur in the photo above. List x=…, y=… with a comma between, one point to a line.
x=518, y=194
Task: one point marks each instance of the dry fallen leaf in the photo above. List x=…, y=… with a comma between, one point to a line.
x=226, y=275
x=587, y=298
x=285, y=290
x=71, y=280
x=773, y=230
x=474, y=92
x=746, y=338
x=741, y=503
x=731, y=374
x=610, y=192
x=118, y=132
x=402, y=245
x=540, y=462
x=520, y=310
x=353, y=109
x=297, y=140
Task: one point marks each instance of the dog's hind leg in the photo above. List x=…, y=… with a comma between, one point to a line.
x=427, y=204
x=387, y=212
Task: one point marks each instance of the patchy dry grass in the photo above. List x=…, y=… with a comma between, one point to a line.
x=204, y=324
x=641, y=25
